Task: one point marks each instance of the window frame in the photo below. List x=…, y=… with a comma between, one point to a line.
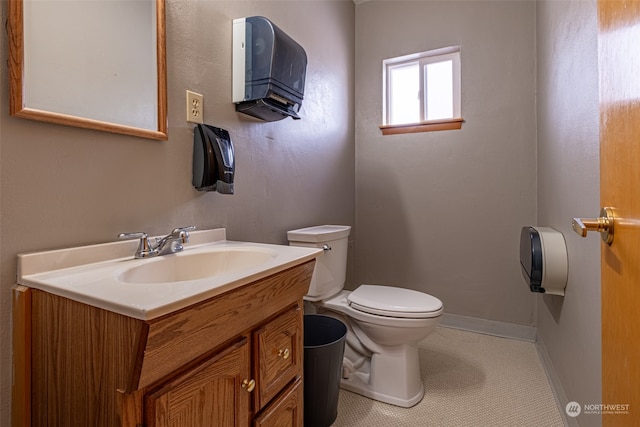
x=423, y=59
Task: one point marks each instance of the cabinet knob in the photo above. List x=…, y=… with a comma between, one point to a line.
x=283, y=353
x=249, y=385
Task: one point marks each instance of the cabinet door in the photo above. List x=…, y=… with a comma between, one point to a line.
x=286, y=410
x=279, y=348
x=210, y=395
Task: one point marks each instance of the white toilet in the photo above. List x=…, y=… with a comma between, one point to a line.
x=384, y=323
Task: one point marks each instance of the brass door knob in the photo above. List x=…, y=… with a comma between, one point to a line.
x=248, y=385
x=603, y=225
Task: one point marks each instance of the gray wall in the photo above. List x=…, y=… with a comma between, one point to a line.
x=568, y=186
x=441, y=212
x=63, y=186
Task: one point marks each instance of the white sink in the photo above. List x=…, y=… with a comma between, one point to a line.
x=186, y=266
x=107, y=276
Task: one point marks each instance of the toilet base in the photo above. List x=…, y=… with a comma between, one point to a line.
x=392, y=377
x=357, y=384
x=389, y=373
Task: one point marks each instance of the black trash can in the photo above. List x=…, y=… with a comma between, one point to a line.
x=324, y=339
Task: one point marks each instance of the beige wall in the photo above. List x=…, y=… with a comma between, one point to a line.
x=63, y=186
x=568, y=186
x=441, y=212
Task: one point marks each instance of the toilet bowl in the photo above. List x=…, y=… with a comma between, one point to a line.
x=384, y=323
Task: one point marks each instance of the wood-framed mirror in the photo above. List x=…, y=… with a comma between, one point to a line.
x=98, y=64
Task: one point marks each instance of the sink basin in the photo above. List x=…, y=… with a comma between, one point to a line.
x=186, y=266
x=106, y=276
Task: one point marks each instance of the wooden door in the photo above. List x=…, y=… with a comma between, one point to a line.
x=209, y=395
x=619, y=60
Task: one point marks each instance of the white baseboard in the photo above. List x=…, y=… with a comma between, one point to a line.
x=489, y=327
x=556, y=385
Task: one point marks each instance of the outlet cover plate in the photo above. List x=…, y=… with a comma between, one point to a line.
x=195, y=104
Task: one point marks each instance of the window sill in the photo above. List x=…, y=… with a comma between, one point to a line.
x=430, y=126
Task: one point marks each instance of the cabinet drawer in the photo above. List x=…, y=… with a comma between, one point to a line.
x=286, y=410
x=278, y=347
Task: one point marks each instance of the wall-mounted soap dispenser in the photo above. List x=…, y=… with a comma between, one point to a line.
x=213, y=159
x=543, y=259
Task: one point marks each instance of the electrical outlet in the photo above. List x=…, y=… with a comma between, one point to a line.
x=195, y=104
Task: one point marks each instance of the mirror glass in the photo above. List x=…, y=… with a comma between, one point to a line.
x=96, y=64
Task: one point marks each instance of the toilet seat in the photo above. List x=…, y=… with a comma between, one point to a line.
x=389, y=301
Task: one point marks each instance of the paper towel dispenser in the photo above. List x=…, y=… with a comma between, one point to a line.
x=543, y=259
x=269, y=70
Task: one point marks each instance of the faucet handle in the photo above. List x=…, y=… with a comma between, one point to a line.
x=144, y=247
x=183, y=232
x=140, y=234
x=185, y=229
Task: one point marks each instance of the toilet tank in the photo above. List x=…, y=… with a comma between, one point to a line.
x=330, y=271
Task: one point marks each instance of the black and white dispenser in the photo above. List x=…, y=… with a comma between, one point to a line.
x=543, y=259
x=213, y=159
x=269, y=70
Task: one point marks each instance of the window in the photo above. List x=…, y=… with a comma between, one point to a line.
x=422, y=92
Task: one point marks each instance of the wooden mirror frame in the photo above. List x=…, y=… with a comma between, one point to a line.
x=17, y=107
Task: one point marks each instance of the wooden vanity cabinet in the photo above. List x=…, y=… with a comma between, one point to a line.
x=232, y=360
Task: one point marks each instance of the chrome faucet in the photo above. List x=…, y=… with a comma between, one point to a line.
x=169, y=244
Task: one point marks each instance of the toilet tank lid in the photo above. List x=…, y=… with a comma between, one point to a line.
x=320, y=233
x=392, y=299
